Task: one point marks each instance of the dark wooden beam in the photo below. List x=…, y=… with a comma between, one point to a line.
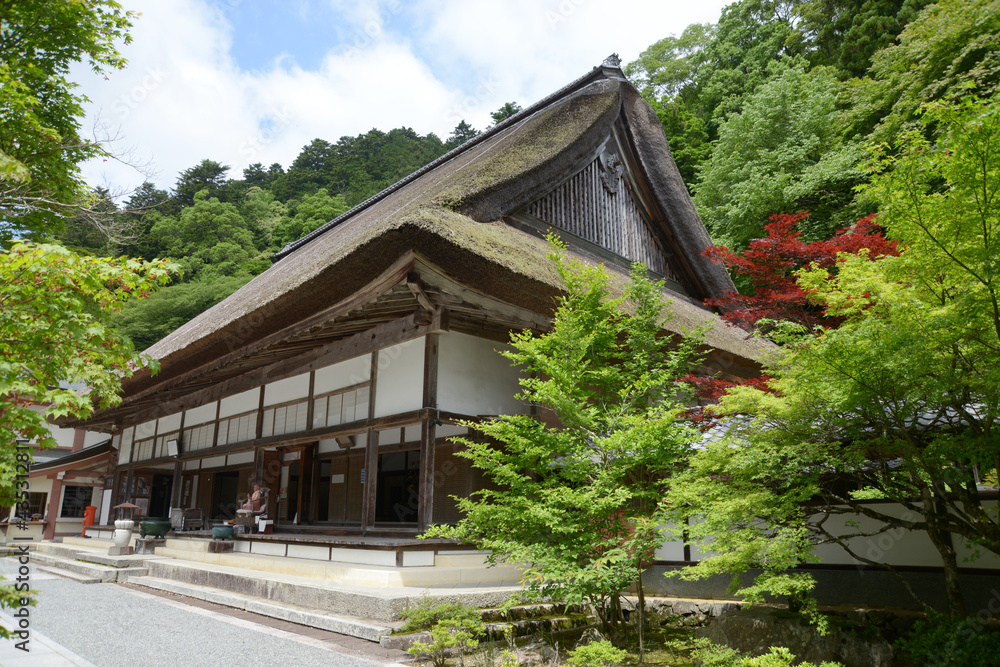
x=371, y=454
x=381, y=336
x=428, y=433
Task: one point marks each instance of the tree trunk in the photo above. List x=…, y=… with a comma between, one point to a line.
x=942, y=542
x=642, y=617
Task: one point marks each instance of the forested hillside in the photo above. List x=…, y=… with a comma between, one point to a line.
x=223, y=230
x=772, y=110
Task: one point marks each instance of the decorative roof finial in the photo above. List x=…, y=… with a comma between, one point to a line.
x=612, y=61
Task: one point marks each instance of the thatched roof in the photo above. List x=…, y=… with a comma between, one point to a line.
x=450, y=215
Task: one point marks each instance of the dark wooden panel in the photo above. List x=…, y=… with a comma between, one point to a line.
x=597, y=205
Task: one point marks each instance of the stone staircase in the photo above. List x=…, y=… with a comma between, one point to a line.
x=354, y=599
x=358, y=600
x=88, y=563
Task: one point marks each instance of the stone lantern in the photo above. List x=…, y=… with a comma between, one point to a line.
x=123, y=530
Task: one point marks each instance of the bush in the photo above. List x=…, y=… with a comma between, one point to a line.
x=712, y=655
x=597, y=654
x=429, y=612
x=941, y=641
x=449, y=633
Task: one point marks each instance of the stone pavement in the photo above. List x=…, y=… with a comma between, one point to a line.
x=108, y=625
x=41, y=651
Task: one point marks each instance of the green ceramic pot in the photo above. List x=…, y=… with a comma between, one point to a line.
x=223, y=532
x=154, y=526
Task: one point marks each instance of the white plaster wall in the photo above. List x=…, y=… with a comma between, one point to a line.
x=969, y=555
x=345, y=374
x=125, y=446
x=289, y=389
x=213, y=462
x=670, y=551
x=145, y=430
x=63, y=436
x=399, y=386
x=897, y=546
x=94, y=437
x=105, y=507
x=169, y=423
x=239, y=403
x=473, y=379
x=200, y=415
x=239, y=458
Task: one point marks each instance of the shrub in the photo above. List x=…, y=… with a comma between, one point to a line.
x=429, y=612
x=940, y=641
x=597, y=654
x=449, y=633
x=713, y=655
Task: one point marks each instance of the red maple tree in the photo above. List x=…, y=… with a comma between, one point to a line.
x=770, y=264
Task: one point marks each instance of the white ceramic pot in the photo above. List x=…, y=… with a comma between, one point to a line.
x=123, y=532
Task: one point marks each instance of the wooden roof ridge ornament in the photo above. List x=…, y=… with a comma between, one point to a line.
x=612, y=169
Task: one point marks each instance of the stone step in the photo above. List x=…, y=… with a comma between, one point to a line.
x=91, y=555
x=61, y=549
x=377, y=603
x=347, y=573
x=67, y=574
x=353, y=626
x=102, y=573
x=92, y=542
x=189, y=544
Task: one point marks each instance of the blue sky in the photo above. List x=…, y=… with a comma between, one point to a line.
x=243, y=81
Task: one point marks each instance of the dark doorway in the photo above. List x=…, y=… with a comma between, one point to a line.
x=397, y=488
x=225, y=489
x=159, y=495
x=323, y=491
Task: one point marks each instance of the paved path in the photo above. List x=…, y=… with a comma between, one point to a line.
x=111, y=625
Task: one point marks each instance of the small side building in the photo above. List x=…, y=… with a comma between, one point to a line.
x=61, y=482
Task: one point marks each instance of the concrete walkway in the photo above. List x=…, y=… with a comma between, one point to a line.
x=111, y=625
x=41, y=651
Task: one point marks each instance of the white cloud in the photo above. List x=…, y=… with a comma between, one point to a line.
x=427, y=65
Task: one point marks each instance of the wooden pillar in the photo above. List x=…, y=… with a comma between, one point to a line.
x=371, y=475
x=53, y=509
x=258, y=467
x=306, y=484
x=371, y=455
x=175, y=489
x=428, y=434
x=128, y=494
